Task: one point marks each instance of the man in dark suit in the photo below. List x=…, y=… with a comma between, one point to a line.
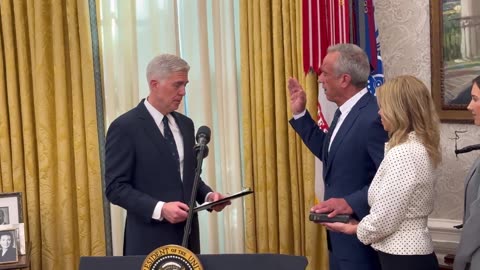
x=150, y=163
x=351, y=151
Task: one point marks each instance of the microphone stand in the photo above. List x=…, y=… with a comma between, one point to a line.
x=202, y=148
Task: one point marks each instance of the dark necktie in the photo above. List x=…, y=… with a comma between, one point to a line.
x=168, y=135
x=330, y=130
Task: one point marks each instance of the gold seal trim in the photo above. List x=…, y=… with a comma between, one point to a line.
x=171, y=257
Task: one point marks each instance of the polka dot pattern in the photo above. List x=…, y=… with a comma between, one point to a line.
x=401, y=198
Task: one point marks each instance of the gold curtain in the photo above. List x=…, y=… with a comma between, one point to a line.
x=49, y=147
x=277, y=164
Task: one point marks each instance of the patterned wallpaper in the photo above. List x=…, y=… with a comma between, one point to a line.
x=405, y=43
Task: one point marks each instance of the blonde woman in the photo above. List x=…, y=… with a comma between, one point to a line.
x=401, y=193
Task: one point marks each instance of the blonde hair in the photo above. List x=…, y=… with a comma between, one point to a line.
x=407, y=106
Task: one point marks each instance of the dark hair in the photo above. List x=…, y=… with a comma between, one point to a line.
x=477, y=81
x=9, y=233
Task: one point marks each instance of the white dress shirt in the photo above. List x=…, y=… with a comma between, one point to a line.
x=401, y=198
x=345, y=109
x=177, y=135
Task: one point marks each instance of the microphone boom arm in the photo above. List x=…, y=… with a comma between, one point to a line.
x=202, y=152
x=467, y=149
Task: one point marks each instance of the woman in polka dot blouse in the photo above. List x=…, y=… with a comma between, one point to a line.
x=401, y=194
x=468, y=251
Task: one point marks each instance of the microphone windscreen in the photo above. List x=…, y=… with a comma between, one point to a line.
x=203, y=133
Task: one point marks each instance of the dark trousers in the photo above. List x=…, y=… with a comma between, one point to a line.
x=409, y=262
x=342, y=264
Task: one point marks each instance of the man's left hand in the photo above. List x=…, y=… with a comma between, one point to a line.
x=215, y=196
x=334, y=206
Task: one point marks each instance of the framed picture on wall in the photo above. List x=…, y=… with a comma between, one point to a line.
x=8, y=246
x=455, y=43
x=11, y=208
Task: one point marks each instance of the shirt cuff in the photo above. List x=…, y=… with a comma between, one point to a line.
x=157, y=212
x=296, y=116
x=206, y=197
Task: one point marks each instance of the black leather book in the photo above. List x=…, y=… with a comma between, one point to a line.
x=209, y=205
x=323, y=217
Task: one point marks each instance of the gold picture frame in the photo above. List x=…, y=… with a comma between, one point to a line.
x=455, y=57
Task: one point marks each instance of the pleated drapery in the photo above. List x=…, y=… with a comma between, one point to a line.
x=277, y=165
x=49, y=147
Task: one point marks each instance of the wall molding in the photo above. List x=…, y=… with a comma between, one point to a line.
x=445, y=237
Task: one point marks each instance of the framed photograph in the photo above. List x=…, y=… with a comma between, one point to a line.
x=11, y=208
x=8, y=246
x=20, y=236
x=455, y=44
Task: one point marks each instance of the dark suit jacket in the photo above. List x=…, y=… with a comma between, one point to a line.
x=140, y=171
x=355, y=155
x=10, y=255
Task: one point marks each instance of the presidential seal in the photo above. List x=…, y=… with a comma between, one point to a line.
x=171, y=257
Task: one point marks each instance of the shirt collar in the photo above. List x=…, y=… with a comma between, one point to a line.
x=348, y=105
x=157, y=116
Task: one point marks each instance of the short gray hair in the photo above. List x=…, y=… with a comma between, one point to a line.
x=165, y=64
x=352, y=61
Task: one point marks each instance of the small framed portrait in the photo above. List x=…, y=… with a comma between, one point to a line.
x=11, y=208
x=4, y=216
x=8, y=246
x=20, y=236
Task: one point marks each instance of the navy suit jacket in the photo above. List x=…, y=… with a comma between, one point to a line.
x=140, y=171
x=355, y=155
x=10, y=255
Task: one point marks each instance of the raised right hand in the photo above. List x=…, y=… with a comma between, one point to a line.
x=175, y=212
x=298, y=98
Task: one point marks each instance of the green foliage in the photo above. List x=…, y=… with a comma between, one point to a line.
x=451, y=36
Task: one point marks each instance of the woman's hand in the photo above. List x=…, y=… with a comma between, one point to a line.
x=346, y=228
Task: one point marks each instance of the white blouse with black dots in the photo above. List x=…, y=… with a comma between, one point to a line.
x=401, y=198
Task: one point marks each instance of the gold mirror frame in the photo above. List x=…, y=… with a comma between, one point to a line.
x=447, y=112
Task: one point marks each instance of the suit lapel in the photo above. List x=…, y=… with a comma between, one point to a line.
x=472, y=176
x=150, y=127
x=189, y=162
x=471, y=172
x=153, y=131
x=187, y=144
x=345, y=127
x=157, y=139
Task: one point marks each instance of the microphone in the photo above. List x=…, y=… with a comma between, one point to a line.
x=201, y=151
x=203, y=135
x=467, y=149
